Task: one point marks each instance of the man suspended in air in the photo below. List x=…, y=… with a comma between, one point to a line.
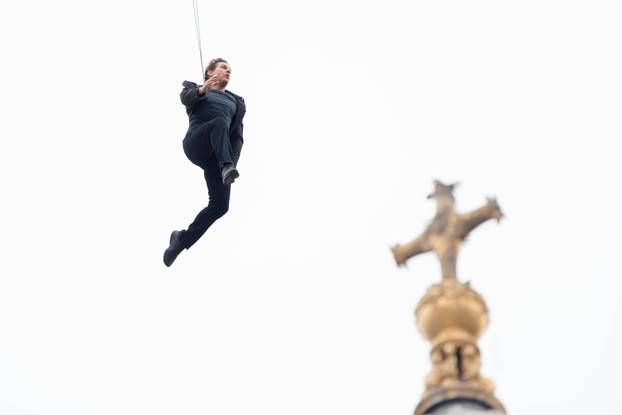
x=213, y=142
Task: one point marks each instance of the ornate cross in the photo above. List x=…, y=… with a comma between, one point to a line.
x=447, y=230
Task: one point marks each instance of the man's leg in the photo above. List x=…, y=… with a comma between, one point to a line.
x=212, y=138
x=218, y=134
x=218, y=205
x=208, y=147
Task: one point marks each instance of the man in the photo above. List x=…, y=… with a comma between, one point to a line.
x=213, y=142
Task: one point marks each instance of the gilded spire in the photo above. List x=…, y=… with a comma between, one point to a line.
x=451, y=315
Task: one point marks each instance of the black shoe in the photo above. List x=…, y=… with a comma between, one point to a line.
x=174, y=248
x=229, y=174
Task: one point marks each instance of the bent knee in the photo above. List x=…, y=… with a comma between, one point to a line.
x=221, y=210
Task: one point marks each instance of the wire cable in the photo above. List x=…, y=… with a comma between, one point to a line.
x=195, y=6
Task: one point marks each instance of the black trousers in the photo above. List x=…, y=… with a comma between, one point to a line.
x=208, y=146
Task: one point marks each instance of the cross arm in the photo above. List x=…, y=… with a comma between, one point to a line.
x=403, y=253
x=470, y=220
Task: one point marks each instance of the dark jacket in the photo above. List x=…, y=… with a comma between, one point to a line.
x=191, y=98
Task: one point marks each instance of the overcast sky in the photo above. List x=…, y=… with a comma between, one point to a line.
x=292, y=302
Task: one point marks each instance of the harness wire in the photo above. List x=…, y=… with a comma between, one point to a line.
x=195, y=6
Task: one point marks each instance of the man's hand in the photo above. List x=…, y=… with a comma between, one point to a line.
x=209, y=84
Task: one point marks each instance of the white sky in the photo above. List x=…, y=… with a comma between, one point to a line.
x=292, y=302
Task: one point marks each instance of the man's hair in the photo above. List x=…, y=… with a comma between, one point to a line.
x=212, y=65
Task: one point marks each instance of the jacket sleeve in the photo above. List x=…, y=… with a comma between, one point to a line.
x=237, y=141
x=189, y=94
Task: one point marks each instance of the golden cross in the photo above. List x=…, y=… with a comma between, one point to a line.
x=447, y=230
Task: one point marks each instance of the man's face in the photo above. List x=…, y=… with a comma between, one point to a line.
x=221, y=73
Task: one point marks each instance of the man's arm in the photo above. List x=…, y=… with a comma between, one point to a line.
x=191, y=92
x=237, y=133
x=237, y=141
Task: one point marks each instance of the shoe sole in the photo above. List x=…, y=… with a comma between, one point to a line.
x=170, y=242
x=230, y=178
